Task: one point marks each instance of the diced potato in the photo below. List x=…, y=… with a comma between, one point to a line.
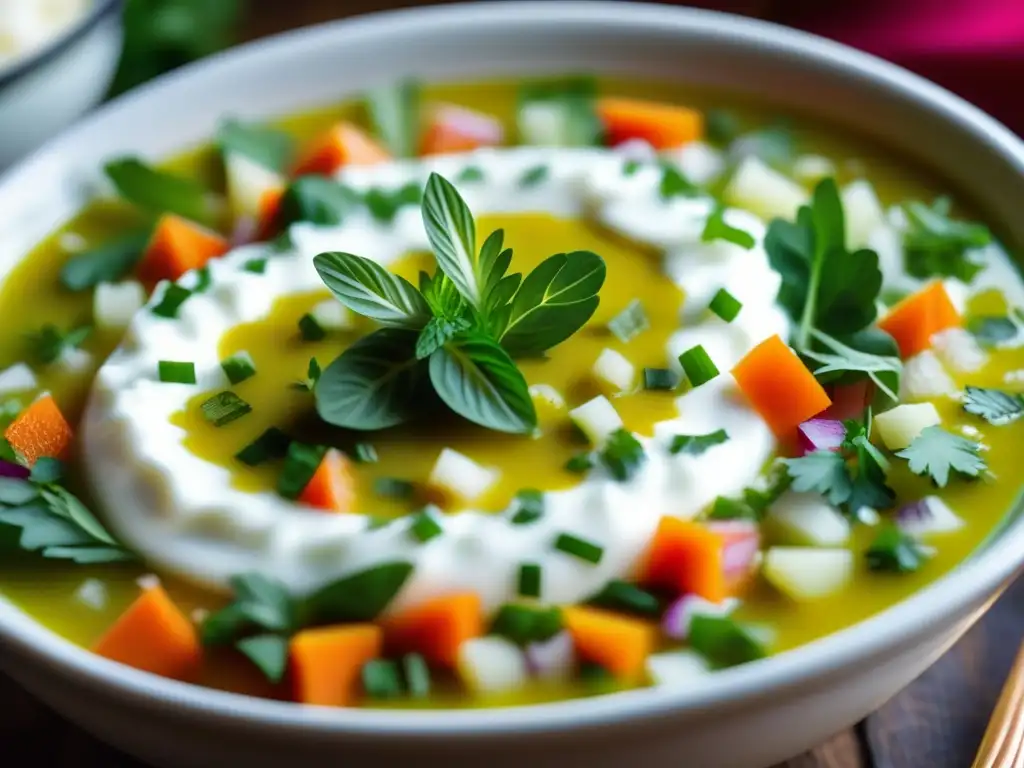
x=115, y=304
x=596, y=418
x=806, y=519
x=925, y=377
x=900, y=426
x=492, y=664
x=246, y=183
x=806, y=573
x=959, y=351
x=542, y=124
x=763, y=190
x=677, y=667
x=460, y=476
x=17, y=378
x=332, y=315
x=863, y=211
x=614, y=372
x=810, y=169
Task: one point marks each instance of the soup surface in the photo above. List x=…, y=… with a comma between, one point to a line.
x=498, y=393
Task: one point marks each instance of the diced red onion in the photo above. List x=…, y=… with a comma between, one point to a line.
x=245, y=230
x=553, y=659
x=675, y=622
x=926, y=516
x=742, y=543
x=483, y=129
x=848, y=400
x=10, y=469
x=821, y=435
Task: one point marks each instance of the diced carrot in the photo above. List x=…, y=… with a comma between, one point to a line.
x=40, y=430
x=326, y=662
x=687, y=558
x=618, y=643
x=436, y=628
x=457, y=129
x=176, y=246
x=267, y=212
x=779, y=386
x=342, y=144
x=332, y=486
x=155, y=636
x=913, y=321
x=663, y=126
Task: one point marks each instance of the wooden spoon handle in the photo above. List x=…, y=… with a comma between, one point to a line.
x=1003, y=744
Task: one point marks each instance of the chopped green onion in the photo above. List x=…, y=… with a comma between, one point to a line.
x=534, y=176
x=698, y=366
x=365, y=453
x=238, y=367
x=310, y=328
x=393, y=488
x=895, y=551
x=695, y=445
x=580, y=463
x=417, y=675
x=424, y=527
x=529, y=580
x=203, y=279
x=224, y=407
x=300, y=464
x=530, y=507
x=381, y=679
x=622, y=596
x=524, y=624
x=630, y=322
x=256, y=266
x=622, y=454
x=579, y=548
x=723, y=642
x=630, y=167
x=173, y=372
x=725, y=305
x=470, y=173
x=660, y=379
x=174, y=296
x=272, y=444
x=716, y=228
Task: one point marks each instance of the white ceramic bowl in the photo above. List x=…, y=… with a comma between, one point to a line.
x=43, y=92
x=747, y=717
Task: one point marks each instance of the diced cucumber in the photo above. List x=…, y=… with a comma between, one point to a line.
x=596, y=419
x=677, y=667
x=247, y=180
x=900, y=426
x=17, y=378
x=114, y=304
x=492, y=664
x=460, y=476
x=763, y=190
x=332, y=315
x=863, y=211
x=806, y=573
x=614, y=372
x=806, y=519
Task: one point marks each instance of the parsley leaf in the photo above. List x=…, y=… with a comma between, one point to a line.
x=895, y=551
x=936, y=453
x=938, y=246
x=822, y=472
x=871, y=352
x=993, y=405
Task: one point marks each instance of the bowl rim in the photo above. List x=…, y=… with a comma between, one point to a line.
x=23, y=66
x=967, y=585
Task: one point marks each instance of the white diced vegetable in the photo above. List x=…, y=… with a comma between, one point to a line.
x=548, y=395
x=596, y=419
x=807, y=573
x=924, y=377
x=863, y=211
x=806, y=519
x=492, y=664
x=958, y=293
x=763, y=190
x=17, y=378
x=74, y=360
x=246, y=183
x=332, y=315
x=677, y=667
x=700, y=162
x=810, y=169
x=92, y=593
x=115, y=304
x=542, y=124
x=613, y=371
x=959, y=351
x=900, y=426
x=461, y=476
x=935, y=517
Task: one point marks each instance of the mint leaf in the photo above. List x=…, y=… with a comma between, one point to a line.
x=438, y=332
x=318, y=200
x=161, y=192
x=106, y=263
x=937, y=246
x=396, y=113
x=936, y=453
x=993, y=405
x=268, y=652
x=452, y=234
x=265, y=146
x=361, y=596
x=368, y=289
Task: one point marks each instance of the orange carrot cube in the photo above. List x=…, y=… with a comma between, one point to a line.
x=40, y=430
x=918, y=317
x=177, y=246
x=663, y=126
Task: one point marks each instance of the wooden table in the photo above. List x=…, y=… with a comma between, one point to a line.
x=935, y=723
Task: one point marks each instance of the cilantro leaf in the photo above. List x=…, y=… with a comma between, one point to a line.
x=870, y=352
x=895, y=552
x=993, y=405
x=936, y=453
x=938, y=246
x=822, y=472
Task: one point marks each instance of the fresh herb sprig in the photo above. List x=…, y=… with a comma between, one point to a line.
x=458, y=331
x=936, y=245
x=937, y=454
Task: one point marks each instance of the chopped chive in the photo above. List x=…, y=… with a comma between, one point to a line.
x=310, y=328
x=622, y=454
x=660, y=379
x=272, y=444
x=256, y=266
x=364, y=453
x=534, y=176
x=622, y=596
x=393, y=488
x=470, y=173
x=580, y=463
x=524, y=624
x=725, y=305
x=224, y=407
x=698, y=366
x=424, y=527
x=203, y=279
x=238, y=367
x=174, y=372
x=630, y=322
x=530, y=507
x=301, y=461
x=695, y=445
x=417, y=675
x=630, y=167
x=723, y=642
x=171, y=301
x=580, y=548
x=529, y=580
x=381, y=679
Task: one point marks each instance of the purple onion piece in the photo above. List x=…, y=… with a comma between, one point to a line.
x=553, y=659
x=739, y=555
x=245, y=230
x=821, y=435
x=10, y=469
x=925, y=516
